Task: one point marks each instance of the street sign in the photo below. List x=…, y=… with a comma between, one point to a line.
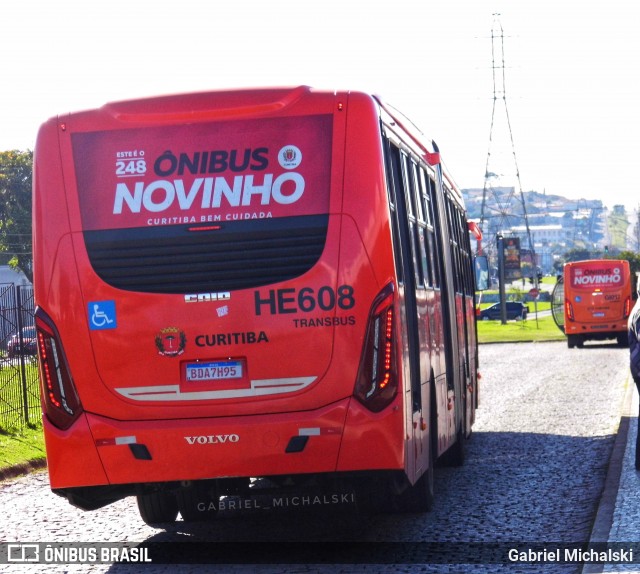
x=534, y=293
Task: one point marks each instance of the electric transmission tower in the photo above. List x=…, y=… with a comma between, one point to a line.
x=503, y=207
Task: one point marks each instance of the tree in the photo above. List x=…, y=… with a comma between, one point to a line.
x=15, y=210
x=634, y=263
x=578, y=255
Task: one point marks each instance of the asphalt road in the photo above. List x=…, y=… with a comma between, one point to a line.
x=533, y=477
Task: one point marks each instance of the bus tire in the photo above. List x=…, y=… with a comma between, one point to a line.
x=376, y=497
x=157, y=507
x=189, y=498
x=571, y=341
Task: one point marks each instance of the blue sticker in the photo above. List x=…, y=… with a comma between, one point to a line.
x=102, y=315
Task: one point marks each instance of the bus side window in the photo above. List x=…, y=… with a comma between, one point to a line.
x=415, y=217
x=481, y=267
x=468, y=256
x=421, y=224
x=464, y=255
x=454, y=244
x=392, y=161
x=429, y=198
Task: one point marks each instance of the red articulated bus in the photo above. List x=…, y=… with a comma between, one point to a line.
x=598, y=300
x=262, y=283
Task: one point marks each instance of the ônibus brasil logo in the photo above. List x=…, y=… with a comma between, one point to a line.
x=171, y=342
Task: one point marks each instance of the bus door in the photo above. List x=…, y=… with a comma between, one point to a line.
x=411, y=299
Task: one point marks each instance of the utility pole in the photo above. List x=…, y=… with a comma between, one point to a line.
x=501, y=282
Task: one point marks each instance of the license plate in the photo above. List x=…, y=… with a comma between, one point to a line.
x=215, y=371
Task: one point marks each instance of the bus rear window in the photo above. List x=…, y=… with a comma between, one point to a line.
x=179, y=259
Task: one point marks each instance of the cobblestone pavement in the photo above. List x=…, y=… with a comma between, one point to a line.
x=534, y=475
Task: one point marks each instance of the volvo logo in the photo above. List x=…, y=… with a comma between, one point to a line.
x=212, y=439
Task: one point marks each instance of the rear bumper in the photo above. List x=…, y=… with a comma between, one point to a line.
x=597, y=330
x=100, y=451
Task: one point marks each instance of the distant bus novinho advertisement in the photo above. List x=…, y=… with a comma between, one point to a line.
x=262, y=283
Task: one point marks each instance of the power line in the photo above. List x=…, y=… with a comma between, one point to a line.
x=499, y=215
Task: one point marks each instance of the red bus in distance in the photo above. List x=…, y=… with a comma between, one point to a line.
x=263, y=283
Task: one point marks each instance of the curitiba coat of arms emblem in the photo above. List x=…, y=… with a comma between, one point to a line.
x=171, y=342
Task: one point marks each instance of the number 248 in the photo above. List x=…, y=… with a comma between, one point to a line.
x=131, y=167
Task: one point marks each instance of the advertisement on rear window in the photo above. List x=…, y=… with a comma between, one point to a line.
x=204, y=172
x=596, y=275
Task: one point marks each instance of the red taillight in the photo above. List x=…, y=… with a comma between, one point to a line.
x=377, y=382
x=59, y=398
x=627, y=307
x=569, y=308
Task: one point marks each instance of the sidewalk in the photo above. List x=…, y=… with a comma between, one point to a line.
x=618, y=518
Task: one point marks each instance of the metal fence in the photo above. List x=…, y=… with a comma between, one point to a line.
x=19, y=388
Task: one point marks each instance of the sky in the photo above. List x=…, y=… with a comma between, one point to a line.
x=571, y=81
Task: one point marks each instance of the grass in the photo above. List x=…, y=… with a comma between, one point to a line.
x=543, y=329
x=19, y=447
x=541, y=306
x=22, y=446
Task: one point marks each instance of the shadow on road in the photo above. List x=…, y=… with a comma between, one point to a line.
x=515, y=490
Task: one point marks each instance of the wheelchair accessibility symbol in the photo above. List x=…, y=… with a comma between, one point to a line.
x=102, y=315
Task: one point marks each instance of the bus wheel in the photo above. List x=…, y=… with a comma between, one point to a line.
x=376, y=497
x=197, y=504
x=157, y=507
x=571, y=341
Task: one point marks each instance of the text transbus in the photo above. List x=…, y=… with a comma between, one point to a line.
x=597, y=300
x=268, y=283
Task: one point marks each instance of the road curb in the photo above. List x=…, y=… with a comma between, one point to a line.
x=607, y=506
x=23, y=468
